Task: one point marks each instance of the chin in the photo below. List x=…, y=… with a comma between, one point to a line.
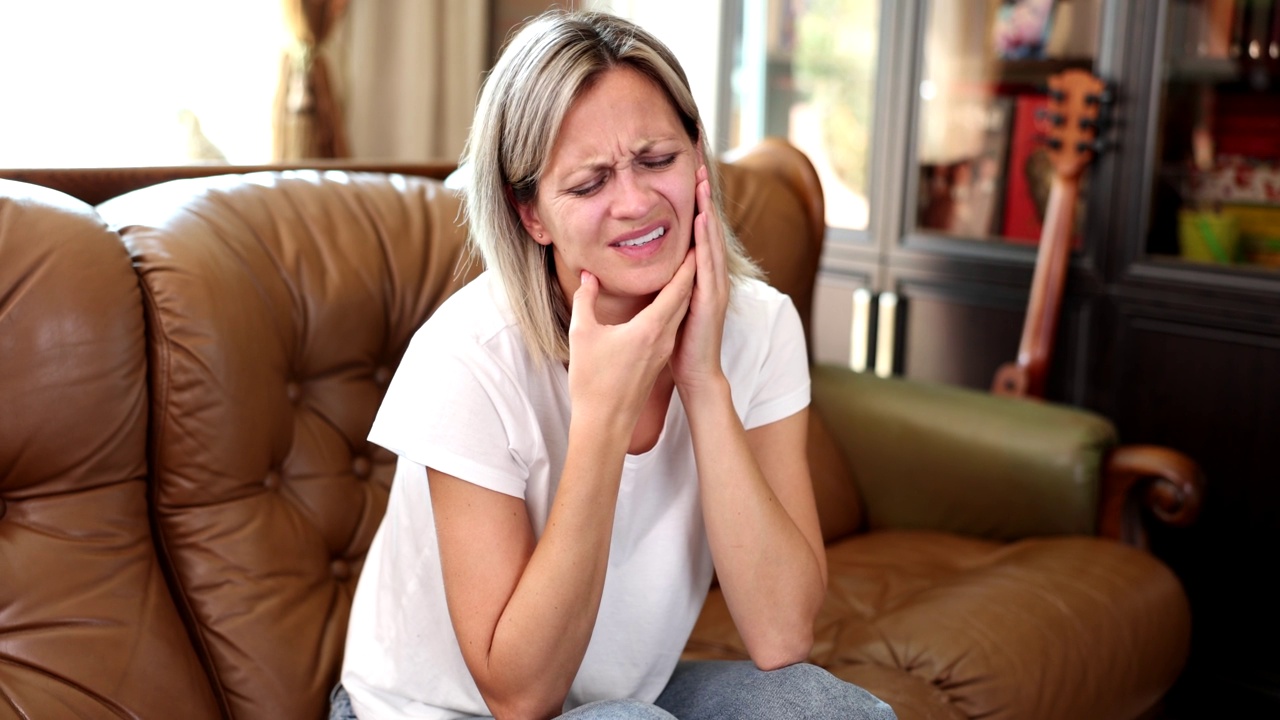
x=652, y=281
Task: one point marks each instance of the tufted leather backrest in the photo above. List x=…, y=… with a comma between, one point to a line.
x=87, y=626
x=774, y=202
x=278, y=305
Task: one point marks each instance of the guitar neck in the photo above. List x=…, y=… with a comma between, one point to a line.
x=1049, y=282
x=1076, y=96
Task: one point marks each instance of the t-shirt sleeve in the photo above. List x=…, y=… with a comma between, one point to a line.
x=782, y=387
x=454, y=414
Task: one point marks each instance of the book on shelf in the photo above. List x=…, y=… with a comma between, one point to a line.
x=1030, y=174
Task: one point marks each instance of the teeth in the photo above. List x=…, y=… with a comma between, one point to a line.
x=642, y=240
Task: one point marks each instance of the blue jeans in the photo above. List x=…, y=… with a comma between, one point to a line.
x=715, y=690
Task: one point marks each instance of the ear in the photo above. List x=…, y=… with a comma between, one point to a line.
x=532, y=225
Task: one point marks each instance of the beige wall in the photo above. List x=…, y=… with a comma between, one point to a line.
x=508, y=14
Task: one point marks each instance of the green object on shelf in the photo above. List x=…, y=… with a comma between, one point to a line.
x=1205, y=236
x=1259, y=228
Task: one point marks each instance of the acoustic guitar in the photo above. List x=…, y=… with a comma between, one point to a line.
x=1076, y=98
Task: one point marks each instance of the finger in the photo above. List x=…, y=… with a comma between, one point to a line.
x=702, y=243
x=673, y=300
x=584, y=300
x=707, y=233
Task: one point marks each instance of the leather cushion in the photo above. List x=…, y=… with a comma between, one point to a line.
x=1045, y=628
x=279, y=305
x=87, y=626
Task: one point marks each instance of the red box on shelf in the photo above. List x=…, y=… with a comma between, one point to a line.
x=1030, y=174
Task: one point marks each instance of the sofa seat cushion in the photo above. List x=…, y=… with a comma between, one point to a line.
x=1040, y=628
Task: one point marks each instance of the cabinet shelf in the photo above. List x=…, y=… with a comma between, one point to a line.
x=1035, y=73
x=1203, y=69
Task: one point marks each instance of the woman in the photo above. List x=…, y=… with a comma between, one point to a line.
x=613, y=410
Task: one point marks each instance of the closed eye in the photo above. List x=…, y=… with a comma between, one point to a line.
x=589, y=188
x=659, y=162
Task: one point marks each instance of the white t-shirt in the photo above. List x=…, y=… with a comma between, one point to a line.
x=468, y=400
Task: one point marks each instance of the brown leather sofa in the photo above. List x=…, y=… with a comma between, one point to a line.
x=188, y=372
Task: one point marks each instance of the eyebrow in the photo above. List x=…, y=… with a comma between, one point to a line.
x=595, y=165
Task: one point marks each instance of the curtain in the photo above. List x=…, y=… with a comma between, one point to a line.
x=308, y=116
x=414, y=69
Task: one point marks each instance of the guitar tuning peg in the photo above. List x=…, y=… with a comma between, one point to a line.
x=1090, y=124
x=1054, y=143
x=1097, y=147
x=1055, y=119
x=1057, y=95
x=1106, y=97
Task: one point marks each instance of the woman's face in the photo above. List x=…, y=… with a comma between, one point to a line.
x=617, y=195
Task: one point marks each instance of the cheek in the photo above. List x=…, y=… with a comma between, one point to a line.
x=680, y=193
x=573, y=226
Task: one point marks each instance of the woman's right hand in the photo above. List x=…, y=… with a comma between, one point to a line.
x=612, y=368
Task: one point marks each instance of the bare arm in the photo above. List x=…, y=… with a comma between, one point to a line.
x=763, y=528
x=757, y=498
x=523, y=611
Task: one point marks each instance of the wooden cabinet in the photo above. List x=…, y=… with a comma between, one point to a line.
x=1176, y=341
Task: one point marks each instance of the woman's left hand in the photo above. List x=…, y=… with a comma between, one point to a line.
x=696, y=361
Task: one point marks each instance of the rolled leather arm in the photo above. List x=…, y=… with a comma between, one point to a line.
x=1148, y=479
x=936, y=457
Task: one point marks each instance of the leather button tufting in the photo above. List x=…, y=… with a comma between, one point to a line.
x=361, y=467
x=271, y=481
x=382, y=375
x=341, y=569
x=293, y=391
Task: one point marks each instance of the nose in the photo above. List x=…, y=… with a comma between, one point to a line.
x=633, y=198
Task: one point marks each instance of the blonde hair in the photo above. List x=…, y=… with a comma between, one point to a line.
x=544, y=67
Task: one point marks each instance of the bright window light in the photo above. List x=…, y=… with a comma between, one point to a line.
x=89, y=83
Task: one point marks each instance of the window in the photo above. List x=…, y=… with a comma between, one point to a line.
x=806, y=70
x=138, y=82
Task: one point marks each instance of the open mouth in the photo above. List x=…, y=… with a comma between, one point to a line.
x=644, y=240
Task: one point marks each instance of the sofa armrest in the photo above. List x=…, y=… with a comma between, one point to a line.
x=944, y=458
x=1141, y=479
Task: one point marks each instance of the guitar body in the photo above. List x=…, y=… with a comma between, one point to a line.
x=1075, y=98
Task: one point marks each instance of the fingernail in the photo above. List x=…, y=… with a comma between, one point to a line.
x=582, y=277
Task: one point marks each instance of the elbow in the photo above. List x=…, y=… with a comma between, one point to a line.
x=518, y=710
x=783, y=650
x=524, y=705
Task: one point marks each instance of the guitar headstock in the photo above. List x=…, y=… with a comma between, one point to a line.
x=1076, y=102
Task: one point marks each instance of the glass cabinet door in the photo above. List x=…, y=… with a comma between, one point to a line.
x=805, y=70
x=982, y=170
x=1217, y=192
